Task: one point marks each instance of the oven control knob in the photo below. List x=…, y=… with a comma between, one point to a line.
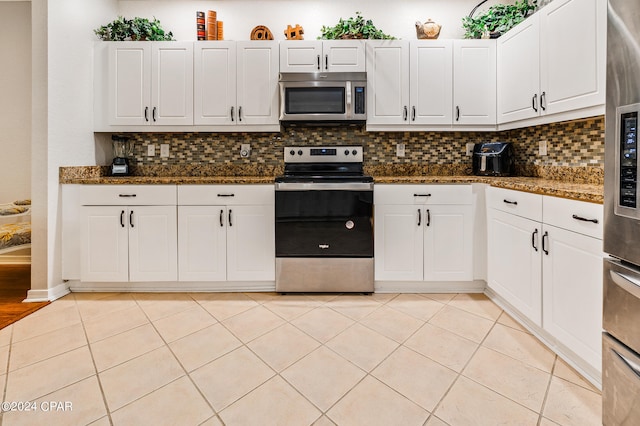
x=346, y=152
x=349, y=224
x=299, y=152
x=292, y=152
x=354, y=152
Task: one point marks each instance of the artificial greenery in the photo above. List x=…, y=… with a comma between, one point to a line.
x=498, y=19
x=353, y=28
x=133, y=29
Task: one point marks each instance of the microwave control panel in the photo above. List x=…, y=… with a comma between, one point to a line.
x=359, y=94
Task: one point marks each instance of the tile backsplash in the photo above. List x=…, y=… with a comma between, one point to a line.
x=575, y=144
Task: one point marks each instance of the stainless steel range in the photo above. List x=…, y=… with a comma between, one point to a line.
x=324, y=221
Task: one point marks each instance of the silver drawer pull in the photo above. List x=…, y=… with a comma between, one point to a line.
x=515, y=203
x=583, y=219
x=126, y=195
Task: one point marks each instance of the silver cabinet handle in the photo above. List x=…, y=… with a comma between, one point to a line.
x=584, y=219
x=543, y=101
x=457, y=113
x=534, y=102
x=419, y=217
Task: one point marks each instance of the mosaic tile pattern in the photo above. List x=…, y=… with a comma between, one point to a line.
x=573, y=144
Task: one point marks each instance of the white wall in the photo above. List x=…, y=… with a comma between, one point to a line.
x=15, y=101
x=396, y=18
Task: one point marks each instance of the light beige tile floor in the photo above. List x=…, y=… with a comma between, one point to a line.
x=262, y=359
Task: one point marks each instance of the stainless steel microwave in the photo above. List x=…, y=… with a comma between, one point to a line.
x=323, y=97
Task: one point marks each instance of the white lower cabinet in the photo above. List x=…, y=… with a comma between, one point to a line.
x=128, y=243
x=226, y=242
x=423, y=233
x=545, y=260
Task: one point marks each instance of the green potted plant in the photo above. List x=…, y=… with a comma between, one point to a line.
x=498, y=19
x=353, y=28
x=133, y=29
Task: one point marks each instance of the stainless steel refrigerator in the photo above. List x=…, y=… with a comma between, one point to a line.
x=621, y=309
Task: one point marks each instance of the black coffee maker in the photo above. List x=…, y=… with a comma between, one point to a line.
x=122, y=150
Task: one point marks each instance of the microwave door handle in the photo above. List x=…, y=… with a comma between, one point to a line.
x=348, y=90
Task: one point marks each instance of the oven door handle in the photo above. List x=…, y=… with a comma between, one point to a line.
x=628, y=363
x=630, y=284
x=321, y=186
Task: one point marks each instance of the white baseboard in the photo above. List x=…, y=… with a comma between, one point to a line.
x=476, y=286
x=47, y=295
x=174, y=286
x=590, y=373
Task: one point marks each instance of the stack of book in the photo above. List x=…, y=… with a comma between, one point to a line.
x=213, y=30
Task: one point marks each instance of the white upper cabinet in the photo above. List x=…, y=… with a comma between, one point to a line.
x=150, y=83
x=215, y=83
x=388, y=82
x=236, y=83
x=474, y=82
x=519, y=71
x=322, y=56
x=554, y=62
x=431, y=63
x=572, y=54
x=431, y=83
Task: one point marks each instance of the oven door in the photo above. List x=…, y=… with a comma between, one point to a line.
x=324, y=220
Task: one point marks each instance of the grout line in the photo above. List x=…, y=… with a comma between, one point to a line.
x=6, y=376
x=546, y=394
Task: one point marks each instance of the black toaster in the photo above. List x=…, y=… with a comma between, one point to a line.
x=494, y=159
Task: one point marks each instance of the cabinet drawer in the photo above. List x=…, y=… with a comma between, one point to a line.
x=519, y=203
x=228, y=195
x=577, y=216
x=130, y=195
x=422, y=194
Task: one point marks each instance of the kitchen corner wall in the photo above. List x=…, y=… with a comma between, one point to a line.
x=574, y=144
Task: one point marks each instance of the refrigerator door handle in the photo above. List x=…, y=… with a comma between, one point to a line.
x=628, y=283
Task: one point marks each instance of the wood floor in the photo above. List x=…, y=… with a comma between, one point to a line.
x=15, y=281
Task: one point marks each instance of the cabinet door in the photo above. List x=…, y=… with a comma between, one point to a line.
x=387, y=82
x=519, y=72
x=448, y=243
x=129, y=83
x=104, y=244
x=398, y=243
x=301, y=56
x=172, y=83
x=572, y=54
x=257, y=82
x=343, y=56
x=215, y=83
x=474, y=82
x=572, y=289
x=431, y=82
x=202, y=243
x=153, y=243
x=514, y=262
x=251, y=243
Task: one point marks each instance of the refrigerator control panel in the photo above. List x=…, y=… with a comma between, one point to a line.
x=627, y=161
